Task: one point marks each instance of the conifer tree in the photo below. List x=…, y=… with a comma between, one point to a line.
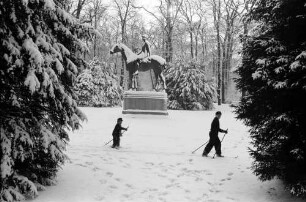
x=40, y=45
x=98, y=86
x=188, y=88
x=273, y=75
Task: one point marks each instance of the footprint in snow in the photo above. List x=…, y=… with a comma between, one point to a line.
x=99, y=198
x=230, y=198
x=172, y=180
x=149, y=163
x=113, y=187
x=96, y=168
x=184, y=169
x=129, y=186
x=110, y=174
x=102, y=181
x=127, y=165
x=160, y=175
x=230, y=174
x=164, y=193
x=79, y=164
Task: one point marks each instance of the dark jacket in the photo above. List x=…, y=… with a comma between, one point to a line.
x=117, y=130
x=215, y=127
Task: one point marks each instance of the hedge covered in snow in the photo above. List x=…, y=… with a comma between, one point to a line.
x=188, y=88
x=98, y=86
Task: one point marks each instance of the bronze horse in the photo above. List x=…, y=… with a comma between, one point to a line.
x=153, y=62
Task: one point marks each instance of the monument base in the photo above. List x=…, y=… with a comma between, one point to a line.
x=145, y=102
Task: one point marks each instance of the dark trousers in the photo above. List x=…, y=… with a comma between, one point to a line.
x=116, y=141
x=214, y=141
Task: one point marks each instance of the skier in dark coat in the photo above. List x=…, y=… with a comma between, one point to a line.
x=117, y=133
x=213, y=136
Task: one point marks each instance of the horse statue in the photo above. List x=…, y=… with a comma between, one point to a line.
x=153, y=63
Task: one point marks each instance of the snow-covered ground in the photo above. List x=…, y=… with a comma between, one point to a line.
x=155, y=162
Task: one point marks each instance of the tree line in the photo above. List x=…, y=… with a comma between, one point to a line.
x=203, y=31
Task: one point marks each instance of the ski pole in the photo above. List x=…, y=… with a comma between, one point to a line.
x=200, y=147
x=108, y=142
x=112, y=139
x=221, y=141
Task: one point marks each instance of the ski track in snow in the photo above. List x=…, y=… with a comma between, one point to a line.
x=155, y=161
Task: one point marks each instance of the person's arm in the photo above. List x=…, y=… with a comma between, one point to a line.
x=122, y=128
x=218, y=127
x=222, y=131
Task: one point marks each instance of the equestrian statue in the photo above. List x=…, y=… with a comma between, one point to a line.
x=143, y=61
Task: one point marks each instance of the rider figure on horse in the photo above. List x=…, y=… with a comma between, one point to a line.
x=145, y=52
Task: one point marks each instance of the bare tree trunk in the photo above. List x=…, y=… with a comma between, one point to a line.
x=245, y=33
x=169, y=33
x=123, y=82
x=223, y=70
x=217, y=16
x=196, y=47
x=79, y=8
x=191, y=44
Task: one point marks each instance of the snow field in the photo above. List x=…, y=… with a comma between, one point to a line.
x=155, y=162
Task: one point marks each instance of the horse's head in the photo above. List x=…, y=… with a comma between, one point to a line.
x=116, y=48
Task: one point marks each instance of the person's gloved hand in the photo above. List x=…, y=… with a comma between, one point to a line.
x=226, y=131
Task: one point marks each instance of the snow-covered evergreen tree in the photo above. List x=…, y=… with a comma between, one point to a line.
x=40, y=47
x=273, y=76
x=98, y=86
x=188, y=88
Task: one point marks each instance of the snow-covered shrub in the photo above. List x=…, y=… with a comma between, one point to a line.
x=98, y=86
x=40, y=50
x=188, y=88
x=273, y=76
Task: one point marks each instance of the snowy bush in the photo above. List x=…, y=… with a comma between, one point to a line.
x=40, y=51
x=188, y=88
x=98, y=86
x=273, y=76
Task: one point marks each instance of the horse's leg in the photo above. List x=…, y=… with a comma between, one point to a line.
x=163, y=79
x=156, y=79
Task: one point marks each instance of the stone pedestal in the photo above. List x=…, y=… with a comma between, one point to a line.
x=145, y=102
